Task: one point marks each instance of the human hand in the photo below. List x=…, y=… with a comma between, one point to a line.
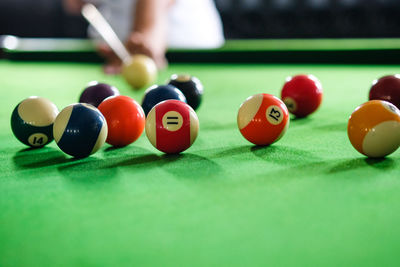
x=137, y=43
x=150, y=45
x=73, y=6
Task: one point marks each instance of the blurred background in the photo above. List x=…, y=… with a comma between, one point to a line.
x=242, y=19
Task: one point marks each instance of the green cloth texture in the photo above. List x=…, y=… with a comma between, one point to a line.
x=308, y=200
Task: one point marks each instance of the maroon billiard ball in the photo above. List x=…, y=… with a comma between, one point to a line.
x=96, y=92
x=302, y=94
x=172, y=126
x=386, y=88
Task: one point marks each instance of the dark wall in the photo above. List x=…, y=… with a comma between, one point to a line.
x=241, y=18
x=39, y=18
x=310, y=18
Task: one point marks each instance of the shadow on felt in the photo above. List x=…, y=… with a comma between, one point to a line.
x=190, y=166
x=88, y=170
x=358, y=163
x=32, y=158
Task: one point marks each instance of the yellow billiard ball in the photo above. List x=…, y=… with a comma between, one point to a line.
x=139, y=71
x=374, y=128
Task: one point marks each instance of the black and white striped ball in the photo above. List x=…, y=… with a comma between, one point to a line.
x=80, y=130
x=32, y=121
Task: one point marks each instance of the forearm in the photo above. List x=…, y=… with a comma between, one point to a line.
x=150, y=15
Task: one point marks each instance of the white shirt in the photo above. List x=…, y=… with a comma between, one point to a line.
x=191, y=23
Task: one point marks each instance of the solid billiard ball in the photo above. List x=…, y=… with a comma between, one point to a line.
x=139, y=71
x=190, y=86
x=172, y=126
x=125, y=120
x=374, y=128
x=302, y=94
x=157, y=93
x=263, y=119
x=80, y=130
x=96, y=92
x=32, y=121
x=386, y=88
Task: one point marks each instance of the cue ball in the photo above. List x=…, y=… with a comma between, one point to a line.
x=125, y=120
x=96, y=92
x=302, y=94
x=139, y=71
x=386, y=88
x=158, y=93
x=263, y=119
x=172, y=126
x=190, y=86
x=80, y=130
x=374, y=128
x=32, y=121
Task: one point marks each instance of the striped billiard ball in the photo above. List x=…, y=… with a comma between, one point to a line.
x=263, y=119
x=158, y=93
x=172, y=126
x=302, y=94
x=96, y=92
x=32, y=121
x=80, y=130
x=125, y=120
x=374, y=128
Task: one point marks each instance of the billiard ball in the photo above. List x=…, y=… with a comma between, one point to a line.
x=263, y=119
x=172, y=126
x=125, y=120
x=386, y=88
x=32, y=121
x=302, y=94
x=190, y=86
x=158, y=93
x=96, y=92
x=374, y=128
x=139, y=71
x=80, y=130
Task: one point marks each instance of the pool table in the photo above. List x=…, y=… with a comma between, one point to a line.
x=308, y=200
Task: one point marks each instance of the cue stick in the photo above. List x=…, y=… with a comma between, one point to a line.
x=96, y=19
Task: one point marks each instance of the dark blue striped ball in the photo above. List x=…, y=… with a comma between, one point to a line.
x=80, y=130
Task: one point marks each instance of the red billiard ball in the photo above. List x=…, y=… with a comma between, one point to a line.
x=302, y=94
x=374, y=128
x=125, y=119
x=386, y=88
x=172, y=126
x=263, y=119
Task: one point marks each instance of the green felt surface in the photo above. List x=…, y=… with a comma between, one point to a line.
x=308, y=200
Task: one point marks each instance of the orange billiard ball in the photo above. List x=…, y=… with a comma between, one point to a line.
x=125, y=119
x=374, y=128
x=263, y=119
x=302, y=94
x=172, y=126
